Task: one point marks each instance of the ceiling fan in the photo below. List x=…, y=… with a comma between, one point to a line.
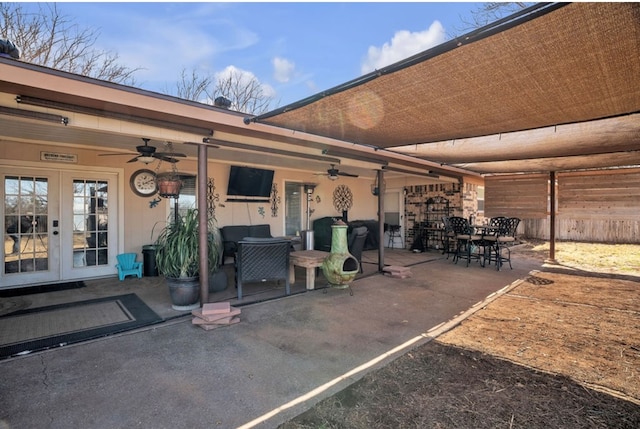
x=147, y=154
x=333, y=173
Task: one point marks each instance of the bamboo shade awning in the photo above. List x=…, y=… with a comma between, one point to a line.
x=556, y=64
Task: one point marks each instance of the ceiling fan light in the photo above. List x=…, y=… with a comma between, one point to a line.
x=146, y=159
x=333, y=177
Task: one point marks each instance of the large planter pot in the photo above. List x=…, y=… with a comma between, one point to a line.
x=185, y=293
x=217, y=281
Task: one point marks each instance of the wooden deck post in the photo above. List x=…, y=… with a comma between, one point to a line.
x=552, y=216
x=203, y=223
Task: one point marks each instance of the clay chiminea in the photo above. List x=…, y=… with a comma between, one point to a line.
x=340, y=267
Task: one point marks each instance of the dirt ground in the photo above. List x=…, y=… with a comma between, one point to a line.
x=587, y=328
x=559, y=349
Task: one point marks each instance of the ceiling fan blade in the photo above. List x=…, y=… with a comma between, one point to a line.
x=165, y=158
x=341, y=173
x=173, y=154
x=134, y=159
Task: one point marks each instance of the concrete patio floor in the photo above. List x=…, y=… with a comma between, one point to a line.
x=284, y=356
x=154, y=292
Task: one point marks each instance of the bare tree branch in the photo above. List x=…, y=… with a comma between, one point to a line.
x=50, y=39
x=192, y=87
x=489, y=12
x=245, y=92
x=242, y=89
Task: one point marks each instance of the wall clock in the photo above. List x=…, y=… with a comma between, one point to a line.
x=143, y=183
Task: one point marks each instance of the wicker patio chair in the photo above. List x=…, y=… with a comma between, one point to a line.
x=261, y=260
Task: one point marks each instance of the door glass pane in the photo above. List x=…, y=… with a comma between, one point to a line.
x=26, y=208
x=186, y=199
x=90, y=223
x=293, y=208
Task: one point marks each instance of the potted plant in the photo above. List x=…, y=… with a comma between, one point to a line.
x=217, y=276
x=178, y=260
x=169, y=184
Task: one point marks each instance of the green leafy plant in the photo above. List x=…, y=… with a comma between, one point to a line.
x=177, y=247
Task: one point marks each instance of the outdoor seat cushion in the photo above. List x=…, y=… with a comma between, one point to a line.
x=232, y=234
x=260, y=231
x=500, y=238
x=262, y=239
x=471, y=237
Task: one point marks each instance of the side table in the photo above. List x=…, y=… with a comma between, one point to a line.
x=310, y=260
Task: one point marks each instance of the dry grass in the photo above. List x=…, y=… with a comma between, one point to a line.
x=477, y=380
x=595, y=257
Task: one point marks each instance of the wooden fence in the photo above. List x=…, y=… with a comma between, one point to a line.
x=592, y=206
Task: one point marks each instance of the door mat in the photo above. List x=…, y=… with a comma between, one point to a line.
x=42, y=328
x=21, y=291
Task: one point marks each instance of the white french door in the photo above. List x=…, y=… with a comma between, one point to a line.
x=57, y=225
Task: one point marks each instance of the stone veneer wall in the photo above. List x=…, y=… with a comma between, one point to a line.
x=462, y=202
x=415, y=205
x=470, y=202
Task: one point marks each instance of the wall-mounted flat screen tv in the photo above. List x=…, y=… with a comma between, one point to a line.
x=249, y=182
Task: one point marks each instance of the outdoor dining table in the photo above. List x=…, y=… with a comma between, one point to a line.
x=483, y=229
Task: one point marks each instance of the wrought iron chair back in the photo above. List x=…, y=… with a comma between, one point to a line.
x=459, y=225
x=498, y=244
x=448, y=237
x=512, y=227
x=466, y=240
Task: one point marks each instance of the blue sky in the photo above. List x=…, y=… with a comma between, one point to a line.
x=294, y=50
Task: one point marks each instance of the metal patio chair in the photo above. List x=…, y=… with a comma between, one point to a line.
x=466, y=240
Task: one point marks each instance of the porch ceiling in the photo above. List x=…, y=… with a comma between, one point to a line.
x=553, y=88
x=113, y=118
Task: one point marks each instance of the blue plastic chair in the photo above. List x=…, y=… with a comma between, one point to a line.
x=127, y=266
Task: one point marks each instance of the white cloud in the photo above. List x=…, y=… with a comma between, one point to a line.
x=164, y=42
x=268, y=90
x=282, y=69
x=244, y=78
x=312, y=86
x=403, y=45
